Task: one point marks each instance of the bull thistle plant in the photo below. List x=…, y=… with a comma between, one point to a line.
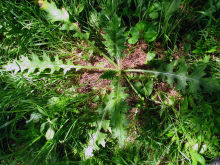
x=111, y=124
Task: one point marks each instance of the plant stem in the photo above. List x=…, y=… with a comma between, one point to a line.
x=89, y=67
x=101, y=53
x=110, y=60
x=142, y=71
x=157, y=72
x=118, y=62
x=126, y=77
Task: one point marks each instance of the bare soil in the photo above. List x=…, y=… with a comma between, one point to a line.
x=90, y=79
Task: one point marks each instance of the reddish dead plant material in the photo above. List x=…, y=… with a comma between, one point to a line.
x=165, y=87
x=91, y=79
x=136, y=59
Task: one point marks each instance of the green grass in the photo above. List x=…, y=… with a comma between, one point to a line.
x=45, y=119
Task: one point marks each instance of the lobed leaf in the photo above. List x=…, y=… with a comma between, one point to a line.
x=109, y=75
x=116, y=107
x=24, y=63
x=114, y=38
x=196, y=79
x=97, y=137
x=57, y=15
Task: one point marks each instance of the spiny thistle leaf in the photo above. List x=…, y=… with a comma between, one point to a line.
x=182, y=72
x=97, y=137
x=196, y=78
x=109, y=75
x=54, y=14
x=35, y=63
x=116, y=108
x=169, y=69
x=57, y=15
x=114, y=38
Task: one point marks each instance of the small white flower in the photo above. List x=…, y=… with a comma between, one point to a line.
x=203, y=148
x=196, y=147
x=35, y=117
x=49, y=134
x=89, y=152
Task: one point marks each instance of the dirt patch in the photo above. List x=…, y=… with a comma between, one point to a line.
x=134, y=60
x=91, y=78
x=167, y=90
x=165, y=87
x=137, y=58
x=162, y=86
